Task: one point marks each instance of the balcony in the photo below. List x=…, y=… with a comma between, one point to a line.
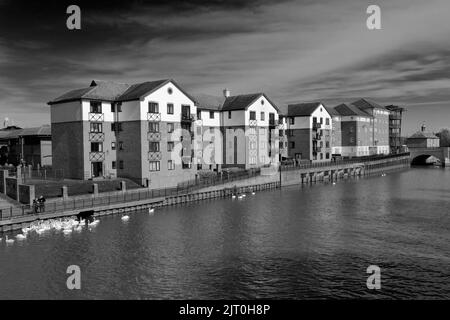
x=153, y=116
x=153, y=136
x=187, y=118
x=253, y=123
x=317, y=149
x=316, y=125
x=97, y=117
x=96, y=156
x=154, y=155
x=96, y=136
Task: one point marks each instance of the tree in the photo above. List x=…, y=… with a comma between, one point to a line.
x=444, y=137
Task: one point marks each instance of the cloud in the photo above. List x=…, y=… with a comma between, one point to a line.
x=292, y=50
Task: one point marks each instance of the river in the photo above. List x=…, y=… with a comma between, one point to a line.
x=300, y=242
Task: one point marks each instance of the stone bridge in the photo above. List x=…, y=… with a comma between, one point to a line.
x=420, y=155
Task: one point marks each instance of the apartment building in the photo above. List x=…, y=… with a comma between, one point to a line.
x=336, y=132
x=249, y=128
x=309, y=132
x=395, y=128
x=209, y=149
x=355, y=131
x=283, y=138
x=380, y=125
x=141, y=131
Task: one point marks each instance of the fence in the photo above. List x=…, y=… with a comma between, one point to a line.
x=219, y=179
x=365, y=159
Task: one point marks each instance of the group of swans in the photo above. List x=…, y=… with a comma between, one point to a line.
x=66, y=225
x=241, y=196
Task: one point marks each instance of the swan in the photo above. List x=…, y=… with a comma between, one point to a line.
x=125, y=218
x=9, y=240
x=20, y=237
x=78, y=229
x=151, y=210
x=334, y=183
x=253, y=193
x=233, y=196
x=67, y=231
x=94, y=223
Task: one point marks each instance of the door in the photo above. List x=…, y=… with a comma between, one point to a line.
x=97, y=169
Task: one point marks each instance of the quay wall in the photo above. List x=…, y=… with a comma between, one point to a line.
x=277, y=180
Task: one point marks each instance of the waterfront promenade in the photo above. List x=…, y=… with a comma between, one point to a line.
x=138, y=199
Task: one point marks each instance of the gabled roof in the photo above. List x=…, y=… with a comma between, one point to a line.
x=112, y=91
x=44, y=130
x=423, y=135
x=243, y=101
x=350, y=110
x=302, y=109
x=98, y=90
x=208, y=102
x=366, y=103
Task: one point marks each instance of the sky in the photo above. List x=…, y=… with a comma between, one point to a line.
x=294, y=51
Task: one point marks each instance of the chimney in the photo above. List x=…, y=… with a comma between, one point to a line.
x=226, y=93
x=423, y=128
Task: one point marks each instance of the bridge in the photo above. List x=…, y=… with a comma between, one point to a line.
x=420, y=155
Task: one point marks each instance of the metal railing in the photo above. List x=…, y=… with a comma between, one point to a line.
x=292, y=165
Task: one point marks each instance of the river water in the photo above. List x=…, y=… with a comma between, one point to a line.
x=300, y=242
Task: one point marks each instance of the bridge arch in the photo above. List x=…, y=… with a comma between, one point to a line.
x=421, y=159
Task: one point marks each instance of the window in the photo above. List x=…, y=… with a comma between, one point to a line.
x=291, y=120
x=121, y=164
x=154, y=165
x=120, y=145
x=170, y=108
x=169, y=90
x=327, y=144
x=154, y=146
x=113, y=107
x=252, y=115
x=262, y=116
x=327, y=121
x=113, y=165
x=96, y=107
x=292, y=145
x=116, y=126
x=119, y=107
x=321, y=156
x=170, y=145
x=96, y=147
x=113, y=145
x=96, y=127
x=170, y=127
x=170, y=165
x=211, y=114
x=153, y=107
x=229, y=114
x=199, y=114
x=153, y=127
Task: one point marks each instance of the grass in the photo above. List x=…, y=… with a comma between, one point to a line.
x=52, y=189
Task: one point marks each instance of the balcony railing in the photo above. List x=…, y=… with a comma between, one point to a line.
x=96, y=136
x=97, y=117
x=253, y=123
x=154, y=155
x=153, y=116
x=316, y=125
x=96, y=156
x=154, y=136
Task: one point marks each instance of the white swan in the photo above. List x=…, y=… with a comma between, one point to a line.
x=253, y=193
x=125, y=218
x=151, y=210
x=67, y=231
x=20, y=237
x=9, y=240
x=334, y=183
x=233, y=196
